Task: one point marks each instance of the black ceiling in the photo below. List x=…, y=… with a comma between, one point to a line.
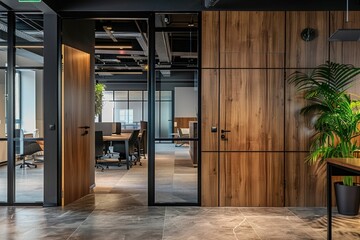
x=198, y=5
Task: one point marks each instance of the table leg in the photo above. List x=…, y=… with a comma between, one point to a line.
x=329, y=201
x=127, y=155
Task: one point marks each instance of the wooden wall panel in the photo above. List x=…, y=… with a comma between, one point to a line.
x=210, y=39
x=252, y=108
x=305, y=184
x=251, y=179
x=252, y=39
x=298, y=129
x=209, y=179
x=345, y=52
x=76, y=146
x=183, y=122
x=302, y=54
x=210, y=109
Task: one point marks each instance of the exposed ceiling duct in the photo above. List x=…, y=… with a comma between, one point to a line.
x=162, y=46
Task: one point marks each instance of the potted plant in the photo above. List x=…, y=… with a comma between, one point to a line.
x=337, y=117
x=99, y=93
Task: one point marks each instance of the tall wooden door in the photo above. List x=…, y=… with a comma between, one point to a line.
x=76, y=119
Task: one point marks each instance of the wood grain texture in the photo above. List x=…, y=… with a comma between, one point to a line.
x=209, y=179
x=210, y=109
x=76, y=113
x=252, y=108
x=305, y=184
x=302, y=54
x=251, y=179
x=345, y=51
x=298, y=128
x=252, y=39
x=210, y=39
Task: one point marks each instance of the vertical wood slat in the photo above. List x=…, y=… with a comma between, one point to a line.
x=251, y=179
x=252, y=108
x=298, y=128
x=210, y=39
x=209, y=179
x=252, y=39
x=306, y=54
x=76, y=147
x=210, y=109
x=348, y=51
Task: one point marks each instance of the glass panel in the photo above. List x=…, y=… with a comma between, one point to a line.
x=179, y=98
x=165, y=119
x=145, y=116
x=121, y=113
x=28, y=123
x=182, y=47
x=166, y=95
x=3, y=141
x=108, y=96
x=3, y=41
x=3, y=170
x=145, y=95
x=135, y=95
x=176, y=175
x=121, y=95
x=29, y=40
x=107, y=111
x=136, y=108
x=176, y=20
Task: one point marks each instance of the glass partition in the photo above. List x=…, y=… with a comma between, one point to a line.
x=29, y=115
x=3, y=137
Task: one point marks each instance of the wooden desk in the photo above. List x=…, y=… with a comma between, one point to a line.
x=338, y=167
x=123, y=137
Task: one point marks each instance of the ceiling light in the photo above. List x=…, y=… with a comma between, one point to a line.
x=113, y=47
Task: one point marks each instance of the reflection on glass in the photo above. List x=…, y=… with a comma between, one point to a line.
x=3, y=171
x=29, y=155
x=176, y=177
x=3, y=41
x=176, y=20
x=29, y=40
x=121, y=95
x=176, y=158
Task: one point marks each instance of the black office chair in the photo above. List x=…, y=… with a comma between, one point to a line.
x=25, y=149
x=99, y=149
x=119, y=147
x=143, y=144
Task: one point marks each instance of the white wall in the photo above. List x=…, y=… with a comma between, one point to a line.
x=186, y=104
x=28, y=100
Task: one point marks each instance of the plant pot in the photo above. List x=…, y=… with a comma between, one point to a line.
x=347, y=199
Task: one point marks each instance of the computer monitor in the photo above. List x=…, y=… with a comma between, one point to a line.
x=105, y=127
x=117, y=128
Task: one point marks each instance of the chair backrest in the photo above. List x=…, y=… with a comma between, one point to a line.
x=99, y=143
x=134, y=138
x=117, y=128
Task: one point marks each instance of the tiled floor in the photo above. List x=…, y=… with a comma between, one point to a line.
x=117, y=210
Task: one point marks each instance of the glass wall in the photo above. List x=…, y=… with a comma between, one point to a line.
x=126, y=107
x=176, y=109
x=3, y=103
x=29, y=117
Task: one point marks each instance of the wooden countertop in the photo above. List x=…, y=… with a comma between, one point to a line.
x=352, y=163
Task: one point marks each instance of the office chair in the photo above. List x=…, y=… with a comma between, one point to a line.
x=25, y=148
x=99, y=149
x=182, y=133
x=143, y=144
x=119, y=147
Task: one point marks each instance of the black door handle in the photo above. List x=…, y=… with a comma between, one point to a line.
x=225, y=131
x=85, y=133
x=85, y=127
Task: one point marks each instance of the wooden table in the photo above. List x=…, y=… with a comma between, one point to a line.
x=338, y=167
x=123, y=137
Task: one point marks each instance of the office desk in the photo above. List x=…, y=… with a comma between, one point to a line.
x=338, y=167
x=124, y=137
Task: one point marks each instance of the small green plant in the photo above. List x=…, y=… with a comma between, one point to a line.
x=99, y=93
x=348, y=180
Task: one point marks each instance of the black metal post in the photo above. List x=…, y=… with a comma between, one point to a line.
x=151, y=111
x=11, y=107
x=52, y=108
x=329, y=201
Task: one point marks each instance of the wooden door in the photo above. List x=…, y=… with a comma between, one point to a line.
x=251, y=137
x=76, y=116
